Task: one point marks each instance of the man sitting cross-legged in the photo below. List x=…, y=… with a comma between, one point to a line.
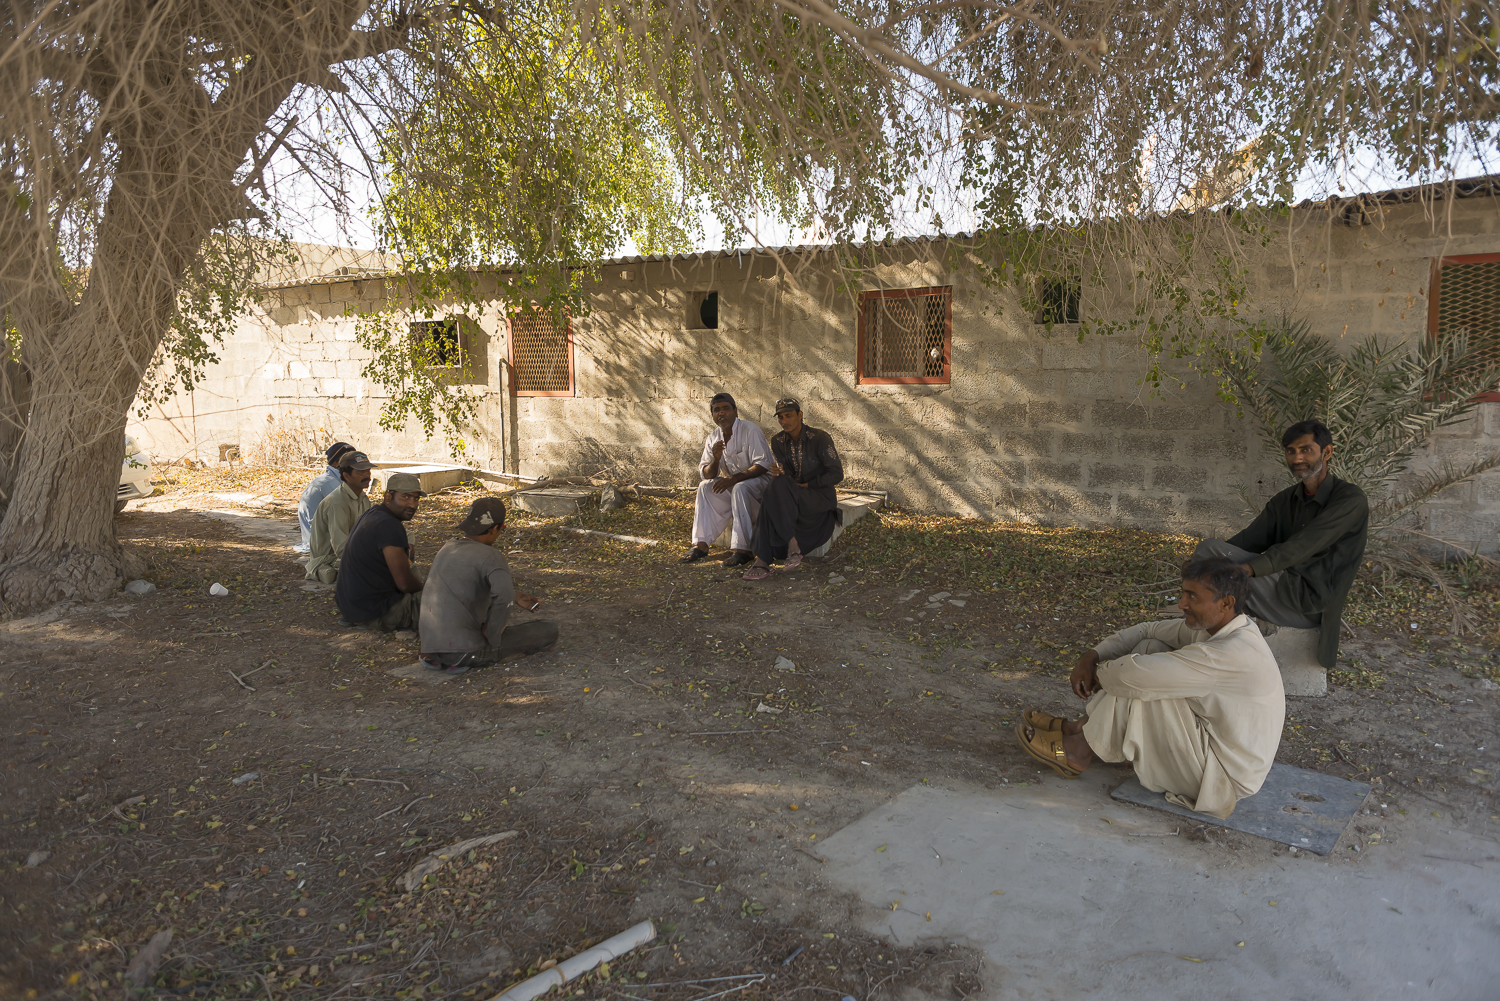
x=337, y=515
x=468, y=597
x=733, y=466
x=1195, y=704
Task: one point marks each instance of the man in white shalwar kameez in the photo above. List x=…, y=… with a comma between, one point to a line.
x=735, y=460
x=1195, y=704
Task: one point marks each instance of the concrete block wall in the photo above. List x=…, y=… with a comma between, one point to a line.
x=1032, y=427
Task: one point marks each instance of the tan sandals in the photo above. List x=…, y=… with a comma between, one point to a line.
x=1045, y=746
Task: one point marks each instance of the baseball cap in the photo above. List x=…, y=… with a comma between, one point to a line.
x=338, y=448
x=788, y=404
x=354, y=460
x=484, y=514
x=405, y=483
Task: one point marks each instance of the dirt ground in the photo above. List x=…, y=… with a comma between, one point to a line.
x=246, y=773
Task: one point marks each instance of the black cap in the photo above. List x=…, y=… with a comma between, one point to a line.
x=335, y=450
x=786, y=404
x=484, y=514
x=722, y=398
x=354, y=460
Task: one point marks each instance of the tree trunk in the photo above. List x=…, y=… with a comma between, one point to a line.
x=15, y=406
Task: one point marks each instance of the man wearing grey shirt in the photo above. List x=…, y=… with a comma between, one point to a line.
x=466, y=603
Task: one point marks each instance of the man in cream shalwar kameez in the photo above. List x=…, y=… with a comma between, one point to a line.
x=733, y=470
x=1195, y=704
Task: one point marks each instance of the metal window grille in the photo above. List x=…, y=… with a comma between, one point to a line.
x=541, y=354
x=1059, y=300
x=1466, y=297
x=905, y=335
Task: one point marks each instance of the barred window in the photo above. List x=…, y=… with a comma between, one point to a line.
x=1058, y=300
x=1466, y=297
x=905, y=336
x=541, y=354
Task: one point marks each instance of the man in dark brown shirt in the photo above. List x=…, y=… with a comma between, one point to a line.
x=800, y=508
x=1304, y=547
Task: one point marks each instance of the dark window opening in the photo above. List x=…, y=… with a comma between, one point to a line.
x=703, y=311
x=1059, y=300
x=437, y=343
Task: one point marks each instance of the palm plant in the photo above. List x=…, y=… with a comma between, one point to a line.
x=1382, y=401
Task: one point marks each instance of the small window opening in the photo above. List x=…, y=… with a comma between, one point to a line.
x=1059, y=300
x=437, y=343
x=703, y=311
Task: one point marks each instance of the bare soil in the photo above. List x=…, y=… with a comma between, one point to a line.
x=655, y=764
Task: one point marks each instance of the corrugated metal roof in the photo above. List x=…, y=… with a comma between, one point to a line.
x=1487, y=185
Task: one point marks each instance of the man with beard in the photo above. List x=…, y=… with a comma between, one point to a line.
x=1195, y=704
x=377, y=588
x=1303, y=549
x=337, y=515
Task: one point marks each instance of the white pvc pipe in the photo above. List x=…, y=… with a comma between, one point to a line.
x=610, y=535
x=577, y=966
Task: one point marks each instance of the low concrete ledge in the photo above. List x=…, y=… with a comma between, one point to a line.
x=1296, y=652
x=854, y=507
x=553, y=502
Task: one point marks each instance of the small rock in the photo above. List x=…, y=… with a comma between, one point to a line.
x=247, y=777
x=763, y=708
x=610, y=499
x=955, y=601
x=835, y=579
x=782, y=664
x=1488, y=685
x=218, y=590
x=140, y=587
x=939, y=596
x=36, y=858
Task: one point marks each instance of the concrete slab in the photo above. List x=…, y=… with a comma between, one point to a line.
x=1296, y=652
x=433, y=477
x=1067, y=906
x=553, y=502
x=854, y=508
x=1295, y=806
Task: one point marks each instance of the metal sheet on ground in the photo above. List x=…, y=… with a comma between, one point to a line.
x=1297, y=807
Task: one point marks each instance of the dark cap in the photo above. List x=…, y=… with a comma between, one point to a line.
x=786, y=404
x=484, y=514
x=722, y=398
x=338, y=448
x=354, y=460
x=404, y=483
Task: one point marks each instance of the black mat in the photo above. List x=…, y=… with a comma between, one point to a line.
x=1308, y=810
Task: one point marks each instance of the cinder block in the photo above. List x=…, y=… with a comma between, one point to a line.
x=1043, y=413
x=1148, y=446
x=1066, y=352
x=1000, y=415
x=1103, y=475
x=1086, y=446
x=1296, y=653
x=1025, y=443
x=1054, y=474
x=1153, y=512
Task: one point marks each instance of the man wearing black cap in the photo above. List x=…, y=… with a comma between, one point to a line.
x=337, y=516
x=800, y=507
x=469, y=593
x=377, y=588
x=321, y=486
x=733, y=466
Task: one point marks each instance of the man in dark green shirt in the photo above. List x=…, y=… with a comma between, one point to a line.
x=1304, y=548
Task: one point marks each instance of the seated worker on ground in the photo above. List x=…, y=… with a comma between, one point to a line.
x=377, y=588
x=800, y=507
x=468, y=598
x=321, y=486
x=733, y=466
x=1195, y=704
x=336, y=517
x=1304, y=547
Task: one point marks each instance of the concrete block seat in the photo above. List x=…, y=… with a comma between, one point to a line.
x=854, y=507
x=432, y=477
x=1296, y=652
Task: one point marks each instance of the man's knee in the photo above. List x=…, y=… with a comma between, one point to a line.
x=328, y=575
x=1150, y=646
x=705, y=489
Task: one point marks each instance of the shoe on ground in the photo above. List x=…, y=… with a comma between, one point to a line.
x=345, y=623
x=738, y=559
x=693, y=555
x=433, y=664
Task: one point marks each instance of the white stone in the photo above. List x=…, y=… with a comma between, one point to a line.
x=140, y=587
x=782, y=664
x=298, y=370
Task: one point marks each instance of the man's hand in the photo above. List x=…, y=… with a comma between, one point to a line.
x=776, y=469
x=530, y=602
x=1248, y=571
x=1085, y=677
x=724, y=483
x=718, y=452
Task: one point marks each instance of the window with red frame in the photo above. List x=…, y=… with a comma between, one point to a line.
x=541, y=353
x=1465, y=296
x=906, y=336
